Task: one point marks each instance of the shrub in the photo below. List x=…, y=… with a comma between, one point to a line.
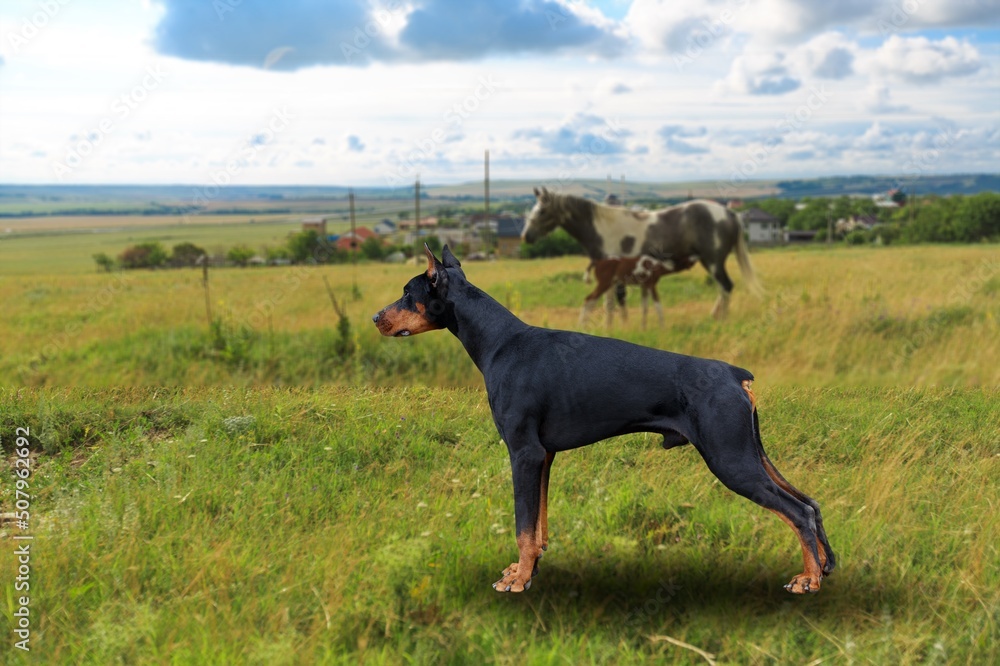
x=240, y=255
x=556, y=244
x=143, y=255
x=186, y=254
x=104, y=262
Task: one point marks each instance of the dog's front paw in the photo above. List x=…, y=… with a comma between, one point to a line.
x=511, y=582
x=803, y=583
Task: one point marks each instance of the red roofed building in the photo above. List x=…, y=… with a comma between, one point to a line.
x=349, y=242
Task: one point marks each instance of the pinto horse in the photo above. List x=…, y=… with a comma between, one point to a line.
x=701, y=228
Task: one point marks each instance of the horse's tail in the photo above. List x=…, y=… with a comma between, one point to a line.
x=586, y=273
x=743, y=258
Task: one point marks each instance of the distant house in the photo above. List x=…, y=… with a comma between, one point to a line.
x=425, y=223
x=509, y=236
x=455, y=237
x=762, y=227
x=863, y=221
x=317, y=224
x=349, y=241
x=385, y=228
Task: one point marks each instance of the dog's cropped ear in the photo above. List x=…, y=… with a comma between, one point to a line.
x=436, y=273
x=448, y=259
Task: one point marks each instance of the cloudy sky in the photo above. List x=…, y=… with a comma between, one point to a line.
x=372, y=92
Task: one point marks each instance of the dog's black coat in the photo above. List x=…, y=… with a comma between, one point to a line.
x=551, y=391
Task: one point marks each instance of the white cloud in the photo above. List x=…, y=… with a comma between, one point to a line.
x=920, y=60
x=829, y=56
x=878, y=99
x=682, y=27
x=760, y=74
x=788, y=21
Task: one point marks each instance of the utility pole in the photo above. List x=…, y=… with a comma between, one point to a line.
x=350, y=201
x=416, y=205
x=623, y=190
x=488, y=240
x=354, y=243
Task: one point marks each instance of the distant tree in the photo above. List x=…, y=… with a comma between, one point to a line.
x=305, y=245
x=272, y=254
x=556, y=244
x=104, y=262
x=144, y=255
x=780, y=208
x=841, y=208
x=372, y=248
x=186, y=254
x=433, y=242
x=815, y=216
x=240, y=255
x=977, y=217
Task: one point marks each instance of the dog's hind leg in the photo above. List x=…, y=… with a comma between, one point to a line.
x=529, y=464
x=729, y=449
x=543, y=509
x=826, y=556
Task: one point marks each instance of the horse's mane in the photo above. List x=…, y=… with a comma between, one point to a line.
x=575, y=204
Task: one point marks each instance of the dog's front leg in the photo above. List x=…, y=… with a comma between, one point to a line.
x=528, y=465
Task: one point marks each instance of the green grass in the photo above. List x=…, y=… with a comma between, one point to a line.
x=343, y=525
x=275, y=490
x=846, y=317
x=70, y=251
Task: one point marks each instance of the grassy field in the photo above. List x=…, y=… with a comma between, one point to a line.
x=275, y=489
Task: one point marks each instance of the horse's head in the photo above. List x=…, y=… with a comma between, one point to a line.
x=543, y=218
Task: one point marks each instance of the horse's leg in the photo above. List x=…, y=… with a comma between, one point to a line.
x=717, y=269
x=656, y=301
x=621, y=295
x=603, y=277
x=645, y=304
x=609, y=306
x=603, y=283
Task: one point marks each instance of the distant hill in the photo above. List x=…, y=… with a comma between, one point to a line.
x=33, y=200
x=950, y=184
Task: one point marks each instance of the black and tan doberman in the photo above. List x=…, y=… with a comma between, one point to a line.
x=552, y=391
